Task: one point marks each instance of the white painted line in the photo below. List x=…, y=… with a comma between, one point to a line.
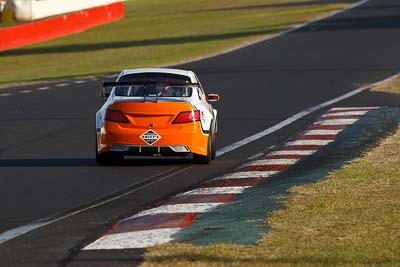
x=25, y=91
x=61, y=84
x=177, y=208
x=322, y=132
x=345, y=113
x=266, y=162
x=44, y=88
x=293, y=152
x=351, y=108
x=79, y=81
x=336, y=122
x=137, y=239
x=215, y=190
x=6, y=94
x=309, y=142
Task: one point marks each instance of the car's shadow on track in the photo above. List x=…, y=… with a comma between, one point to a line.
x=89, y=162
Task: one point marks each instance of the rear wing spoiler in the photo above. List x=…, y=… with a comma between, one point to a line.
x=109, y=85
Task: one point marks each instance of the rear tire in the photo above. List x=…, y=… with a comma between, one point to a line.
x=103, y=159
x=107, y=158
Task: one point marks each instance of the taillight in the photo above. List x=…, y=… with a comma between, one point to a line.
x=188, y=116
x=115, y=115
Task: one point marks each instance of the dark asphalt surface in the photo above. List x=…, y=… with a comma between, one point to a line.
x=47, y=137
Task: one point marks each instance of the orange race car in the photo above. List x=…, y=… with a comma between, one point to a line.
x=156, y=112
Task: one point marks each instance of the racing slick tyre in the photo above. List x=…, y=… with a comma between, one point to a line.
x=107, y=158
x=103, y=159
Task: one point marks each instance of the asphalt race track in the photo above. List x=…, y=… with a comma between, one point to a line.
x=47, y=166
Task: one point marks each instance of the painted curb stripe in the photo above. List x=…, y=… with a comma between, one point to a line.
x=320, y=142
x=337, y=117
x=234, y=182
x=157, y=221
x=331, y=137
x=284, y=152
x=212, y=198
x=297, y=157
x=301, y=147
x=264, y=168
x=351, y=109
x=138, y=239
x=216, y=190
x=266, y=174
x=250, y=174
x=276, y=161
x=344, y=113
x=178, y=208
x=328, y=127
x=322, y=132
x=336, y=122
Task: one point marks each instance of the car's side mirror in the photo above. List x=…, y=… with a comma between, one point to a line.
x=106, y=92
x=213, y=98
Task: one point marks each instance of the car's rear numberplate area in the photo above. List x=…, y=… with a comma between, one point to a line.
x=150, y=137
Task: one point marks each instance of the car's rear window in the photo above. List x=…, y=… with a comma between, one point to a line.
x=156, y=89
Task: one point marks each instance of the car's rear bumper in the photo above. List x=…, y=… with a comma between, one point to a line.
x=179, y=139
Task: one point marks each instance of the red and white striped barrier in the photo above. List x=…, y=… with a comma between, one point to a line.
x=51, y=28
x=158, y=225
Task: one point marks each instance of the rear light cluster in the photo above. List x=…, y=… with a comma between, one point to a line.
x=115, y=116
x=188, y=116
